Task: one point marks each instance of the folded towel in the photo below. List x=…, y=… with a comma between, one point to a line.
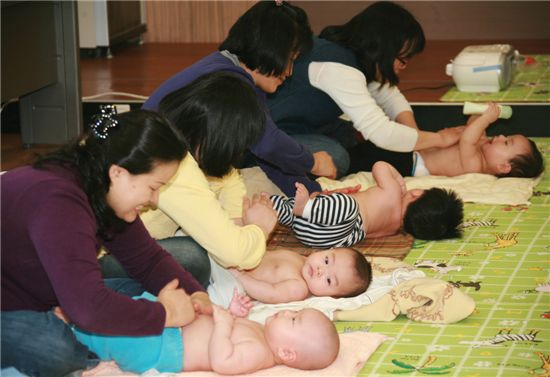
x=355, y=349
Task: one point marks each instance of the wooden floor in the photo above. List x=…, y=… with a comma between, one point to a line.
x=140, y=69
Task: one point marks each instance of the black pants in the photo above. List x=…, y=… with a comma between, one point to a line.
x=364, y=155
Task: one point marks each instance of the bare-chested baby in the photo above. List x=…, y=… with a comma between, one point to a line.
x=341, y=220
x=225, y=344
x=501, y=156
x=284, y=276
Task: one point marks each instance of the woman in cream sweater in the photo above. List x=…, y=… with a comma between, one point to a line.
x=219, y=116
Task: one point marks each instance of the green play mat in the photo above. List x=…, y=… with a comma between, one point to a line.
x=505, y=260
x=531, y=83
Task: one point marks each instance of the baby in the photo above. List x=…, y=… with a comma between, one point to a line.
x=340, y=220
x=304, y=339
x=501, y=156
x=284, y=276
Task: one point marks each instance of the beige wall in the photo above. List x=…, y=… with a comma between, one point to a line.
x=191, y=21
x=209, y=21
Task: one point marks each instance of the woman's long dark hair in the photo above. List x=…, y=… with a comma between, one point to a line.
x=219, y=116
x=139, y=140
x=378, y=35
x=268, y=35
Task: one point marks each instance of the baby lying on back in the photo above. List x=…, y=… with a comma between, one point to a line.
x=304, y=339
x=284, y=276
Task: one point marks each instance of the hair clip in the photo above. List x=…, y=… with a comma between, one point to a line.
x=101, y=123
x=278, y=2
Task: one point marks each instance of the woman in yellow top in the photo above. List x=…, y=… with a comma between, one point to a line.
x=219, y=116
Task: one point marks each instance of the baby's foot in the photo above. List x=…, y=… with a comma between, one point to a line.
x=300, y=199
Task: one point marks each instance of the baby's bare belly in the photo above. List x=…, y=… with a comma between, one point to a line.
x=196, y=337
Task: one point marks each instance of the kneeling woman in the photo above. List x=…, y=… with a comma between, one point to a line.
x=57, y=214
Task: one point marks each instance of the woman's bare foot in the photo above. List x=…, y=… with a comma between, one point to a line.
x=300, y=199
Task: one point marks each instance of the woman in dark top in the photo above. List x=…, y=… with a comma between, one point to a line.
x=354, y=69
x=260, y=49
x=55, y=217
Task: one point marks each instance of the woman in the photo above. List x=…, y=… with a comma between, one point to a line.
x=353, y=69
x=56, y=215
x=219, y=116
x=260, y=48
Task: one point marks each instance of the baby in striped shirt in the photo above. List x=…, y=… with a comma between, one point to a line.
x=341, y=220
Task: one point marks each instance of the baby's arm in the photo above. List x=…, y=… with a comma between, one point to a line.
x=470, y=154
x=273, y=293
x=388, y=178
x=227, y=357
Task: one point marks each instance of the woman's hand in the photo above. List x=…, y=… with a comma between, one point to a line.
x=177, y=304
x=59, y=313
x=201, y=303
x=323, y=166
x=450, y=136
x=259, y=211
x=343, y=190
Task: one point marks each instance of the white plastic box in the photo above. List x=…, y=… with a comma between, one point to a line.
x=483, y=68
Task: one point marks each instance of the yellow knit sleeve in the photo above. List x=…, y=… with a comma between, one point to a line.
x=230, y=191
x=189, y=202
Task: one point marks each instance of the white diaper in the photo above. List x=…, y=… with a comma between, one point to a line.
x=419, y=168
x=222, y=283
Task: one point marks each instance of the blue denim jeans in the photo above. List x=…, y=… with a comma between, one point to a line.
x=186, y=251
x=40, y=344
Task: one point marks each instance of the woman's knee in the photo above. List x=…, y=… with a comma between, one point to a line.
x=189, y=254
x=316, y=143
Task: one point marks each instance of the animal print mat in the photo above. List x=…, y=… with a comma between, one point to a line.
x=397, y=246
x=503, y=263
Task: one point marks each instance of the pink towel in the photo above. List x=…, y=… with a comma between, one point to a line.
x=355, y=350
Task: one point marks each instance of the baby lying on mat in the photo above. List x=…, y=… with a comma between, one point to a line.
x=501, y=156
x=284, y=276
x=337, y=219
x=304, y=339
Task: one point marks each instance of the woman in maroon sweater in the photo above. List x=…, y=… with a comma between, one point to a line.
x=56, y=215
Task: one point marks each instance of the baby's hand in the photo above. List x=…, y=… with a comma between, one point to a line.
x=240, y=304
x=492, y=112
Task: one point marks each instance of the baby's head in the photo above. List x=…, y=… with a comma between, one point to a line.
x=305, y=339
x=339, y=272
x=433, y=214
x=512, y=156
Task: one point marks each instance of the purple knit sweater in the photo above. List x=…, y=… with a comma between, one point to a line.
x=49, y=247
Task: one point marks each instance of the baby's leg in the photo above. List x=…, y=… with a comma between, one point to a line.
x=300, y=199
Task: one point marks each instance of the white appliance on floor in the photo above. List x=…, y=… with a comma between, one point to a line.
x=483, y=68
